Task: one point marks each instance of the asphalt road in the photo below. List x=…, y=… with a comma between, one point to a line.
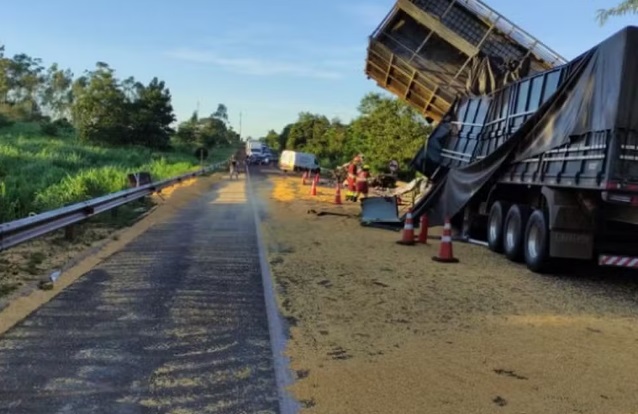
x=174, y=323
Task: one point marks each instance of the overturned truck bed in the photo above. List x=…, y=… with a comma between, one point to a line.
x=428, y=52
x=545, y=166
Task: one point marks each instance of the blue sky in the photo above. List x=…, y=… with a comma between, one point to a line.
x=268, y=59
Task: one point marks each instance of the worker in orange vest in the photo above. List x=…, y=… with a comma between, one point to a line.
x=352, y=178
x=362, y=182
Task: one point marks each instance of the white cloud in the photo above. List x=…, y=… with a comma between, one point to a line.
x=280, y=41
x=242, y=51
x=254, y=66
x=253, y=35
x=369, y=14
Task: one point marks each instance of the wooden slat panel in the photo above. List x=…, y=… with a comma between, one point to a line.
x=414, y=86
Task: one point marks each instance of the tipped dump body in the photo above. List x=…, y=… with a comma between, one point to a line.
x=428, y=52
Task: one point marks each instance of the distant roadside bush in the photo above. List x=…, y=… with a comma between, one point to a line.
x=4, y=121
x=57, y=128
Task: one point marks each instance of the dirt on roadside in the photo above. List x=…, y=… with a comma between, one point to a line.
x=381, y=328
x=23, y=266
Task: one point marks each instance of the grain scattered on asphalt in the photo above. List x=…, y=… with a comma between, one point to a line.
x=76, y=259
x=380, y=328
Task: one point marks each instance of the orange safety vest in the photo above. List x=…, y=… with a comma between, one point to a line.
x=352, y=170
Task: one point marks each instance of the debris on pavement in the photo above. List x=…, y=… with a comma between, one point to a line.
x=377, y=328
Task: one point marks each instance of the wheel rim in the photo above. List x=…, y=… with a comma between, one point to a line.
x=493, y=228
x=533, y=241
x=510, y=234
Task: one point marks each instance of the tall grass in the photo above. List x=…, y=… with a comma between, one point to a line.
x=39, y=173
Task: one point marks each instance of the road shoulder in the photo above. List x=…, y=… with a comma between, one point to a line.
x=81, y=259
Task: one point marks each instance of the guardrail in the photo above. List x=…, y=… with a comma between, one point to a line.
x=18, y=231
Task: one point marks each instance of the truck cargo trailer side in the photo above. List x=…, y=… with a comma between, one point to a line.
x=547, y=167
x=537, y=155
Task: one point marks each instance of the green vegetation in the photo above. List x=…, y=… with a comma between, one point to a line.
x=65, y=139
x=208, y=131
x=38, y=173
x=625, y=7
x=386, y=129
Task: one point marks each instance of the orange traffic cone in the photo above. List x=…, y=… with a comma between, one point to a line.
x=446, y=254
x=408, y=230
x=303, y=177
x=338, y=194
x=313, y=189
x=423, y=234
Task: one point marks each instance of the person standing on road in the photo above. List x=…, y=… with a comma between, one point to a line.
x=233, y=168
x=352, y=179
x=362, y=183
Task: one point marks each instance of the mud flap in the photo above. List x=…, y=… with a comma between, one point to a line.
x=379, y=210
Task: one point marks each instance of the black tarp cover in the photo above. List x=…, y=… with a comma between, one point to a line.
x=429, y=156
x=486, y=74
x=600, y=94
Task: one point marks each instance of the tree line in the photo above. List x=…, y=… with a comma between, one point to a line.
x=386, y=129
x=208, y=131
x=100, y=107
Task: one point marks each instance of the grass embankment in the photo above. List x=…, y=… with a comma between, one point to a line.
x=39, y=173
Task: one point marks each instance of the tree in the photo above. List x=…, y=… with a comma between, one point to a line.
x=151, y=115
x=221, y=113
x=307, y=133
x=336, y=138
x=20, y=80
x=57, y=95
x=283, y=136
x=103, y=108
x=388, y=129
x=211, y=132
x=208, y=132
x=272, y=139
x=625, y=7
x=232, y=137
x=98, y=111
x=187, y=132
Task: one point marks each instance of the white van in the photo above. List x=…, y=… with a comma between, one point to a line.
x=298, y=161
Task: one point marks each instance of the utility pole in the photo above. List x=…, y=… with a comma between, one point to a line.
x=240, y=125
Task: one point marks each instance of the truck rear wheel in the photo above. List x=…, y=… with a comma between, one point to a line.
x=536, y=249
x=514, y=232
x=495, y=226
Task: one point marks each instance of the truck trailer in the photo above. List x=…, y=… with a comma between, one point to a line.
x=254, y=147
x=540, y=159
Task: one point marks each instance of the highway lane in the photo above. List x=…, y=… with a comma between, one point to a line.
x=174, y=323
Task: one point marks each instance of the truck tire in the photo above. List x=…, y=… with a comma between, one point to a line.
x=536, y=246
x=514, y=232
x=495, y=226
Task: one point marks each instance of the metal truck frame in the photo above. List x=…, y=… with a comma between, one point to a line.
x=574, y=201
x=523, y=166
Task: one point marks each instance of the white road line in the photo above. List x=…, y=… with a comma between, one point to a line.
x=283, y=375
